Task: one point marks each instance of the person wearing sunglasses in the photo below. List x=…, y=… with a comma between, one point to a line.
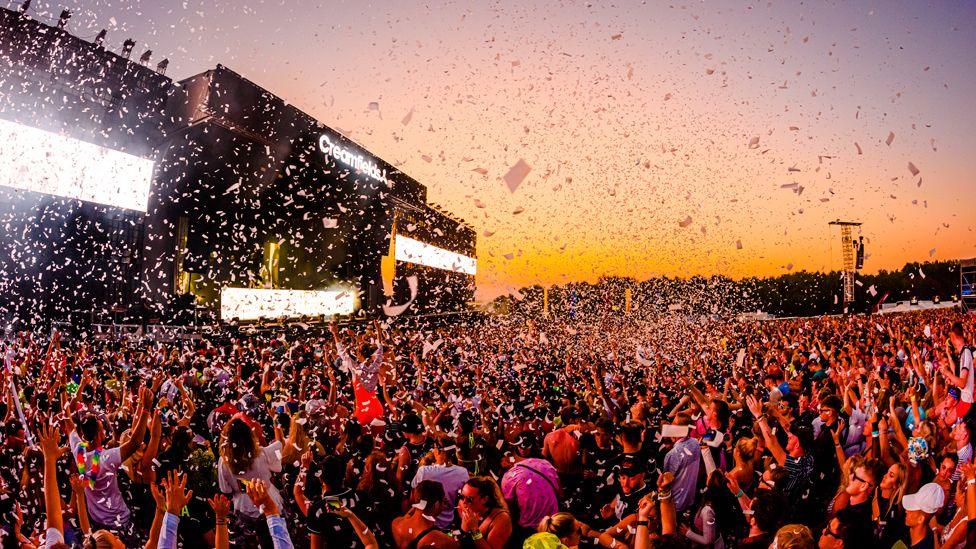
x=846, y=530
x=485, y=519
x=864, y=479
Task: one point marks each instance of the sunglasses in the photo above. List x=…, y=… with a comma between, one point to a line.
x=857, y=478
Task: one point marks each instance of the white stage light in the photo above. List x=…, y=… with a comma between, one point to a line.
x=415, y=251
x=254, y=303
x=44, y=162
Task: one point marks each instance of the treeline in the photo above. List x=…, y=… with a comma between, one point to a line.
x=799, y=293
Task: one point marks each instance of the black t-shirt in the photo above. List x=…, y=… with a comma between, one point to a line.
x=890, y=527
x=928, y=542
x=629, y=502
x=335, y=530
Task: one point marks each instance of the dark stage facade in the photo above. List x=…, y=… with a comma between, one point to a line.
x=134, y=196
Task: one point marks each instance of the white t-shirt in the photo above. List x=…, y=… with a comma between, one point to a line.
x=105, y=503
x=268, y=461
x=966, y=364
x=52, y=537
x=452, y=478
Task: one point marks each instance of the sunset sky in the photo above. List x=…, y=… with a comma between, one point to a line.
x=639, y=119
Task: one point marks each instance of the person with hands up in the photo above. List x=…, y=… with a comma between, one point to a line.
x=221, y=508
x=176, y=499
x=257, y=490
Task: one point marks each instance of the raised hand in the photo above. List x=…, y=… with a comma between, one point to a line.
x=48, y=438
x=968, y=471
x=158, y=496
x=835, y=433
x=78, y=483
x=220, y=505
x=754, y=406
x=176, y=495
x=664, y=481
x=257, y=490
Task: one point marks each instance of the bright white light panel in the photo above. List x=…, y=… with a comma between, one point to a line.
x=44, y=162
x=421, y=253
x=254, y=303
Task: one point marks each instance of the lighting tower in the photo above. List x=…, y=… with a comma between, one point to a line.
x=852, y=252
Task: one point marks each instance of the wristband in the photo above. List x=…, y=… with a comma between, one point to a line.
x=664, y=496
x=875, y=434
x=739, y=494
x=642, y=523
x=476, y=535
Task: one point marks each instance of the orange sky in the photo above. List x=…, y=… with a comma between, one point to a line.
x=633, y=118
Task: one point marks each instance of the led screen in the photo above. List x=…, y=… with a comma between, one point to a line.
x=254, y=303
x=44, y=162
x=415, y=251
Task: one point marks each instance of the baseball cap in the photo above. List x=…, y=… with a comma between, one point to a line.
x=632, y=467
x=928, y=499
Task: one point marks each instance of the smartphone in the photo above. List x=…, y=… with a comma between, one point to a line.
x=333, y=502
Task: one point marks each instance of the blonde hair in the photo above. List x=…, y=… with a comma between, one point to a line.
x=561, y=524
x=900, y=488
x=746, y=447
x=794, y=536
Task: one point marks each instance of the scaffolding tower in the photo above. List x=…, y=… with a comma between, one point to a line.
x=852, y=253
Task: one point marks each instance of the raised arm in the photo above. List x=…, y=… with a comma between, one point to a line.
x=176, y=499
x=771, y=441
x=130, y=446
x=152, y=450
x=380, y=336
x=669, y=516
x=365, y=535
x=48, y=438
x=157, y=523
x=257, y=490
x=221, y=507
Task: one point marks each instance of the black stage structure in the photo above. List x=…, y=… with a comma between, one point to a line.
x=246, y=191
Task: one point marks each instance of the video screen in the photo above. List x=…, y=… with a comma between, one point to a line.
x=255, y=303
x=43, y=162
x=415, y=251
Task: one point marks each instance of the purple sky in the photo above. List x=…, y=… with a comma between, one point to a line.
x=634, y=117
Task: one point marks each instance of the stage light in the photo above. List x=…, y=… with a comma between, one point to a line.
x=145, y=57
x=25, y=6
x=257, y=303
x=421, y=253
x=127, y=47
x=63, y=18
x=161, y=67
x=101, y=37
x=43, y=162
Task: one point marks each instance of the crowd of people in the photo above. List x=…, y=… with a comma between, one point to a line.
x=851, y=431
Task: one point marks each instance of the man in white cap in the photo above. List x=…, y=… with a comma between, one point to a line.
x=920, y=507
